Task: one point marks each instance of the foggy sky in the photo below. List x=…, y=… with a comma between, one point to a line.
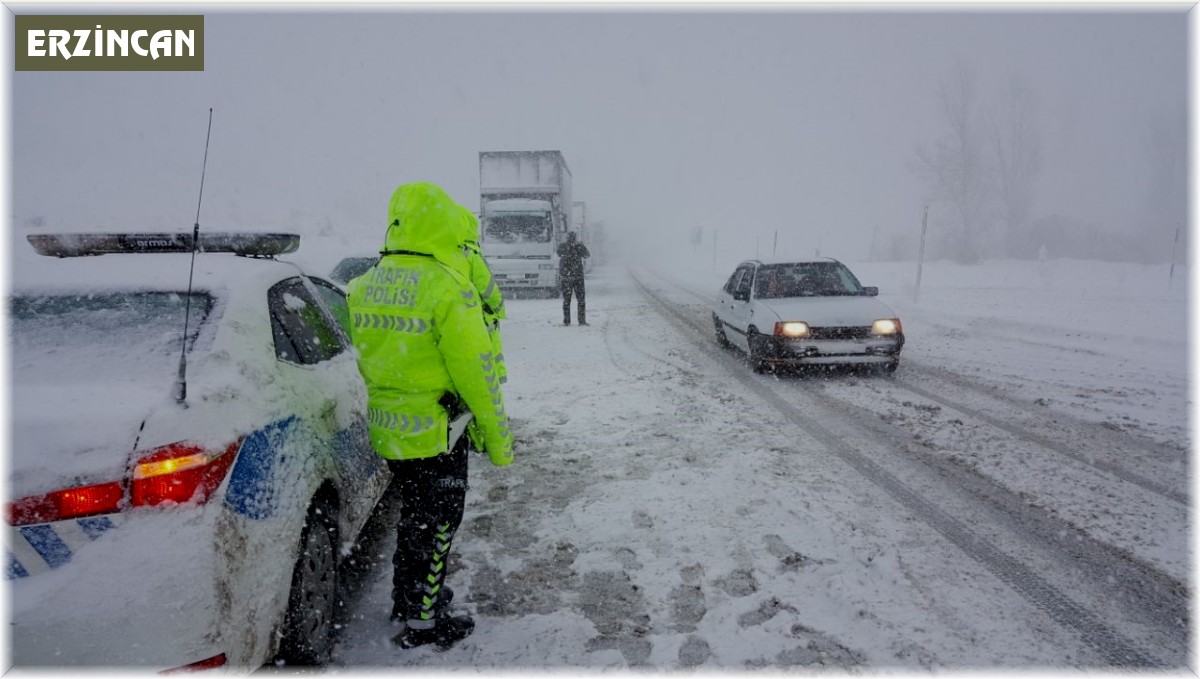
x=793, y=118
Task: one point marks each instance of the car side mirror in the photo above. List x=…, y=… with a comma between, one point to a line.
x=870, y=290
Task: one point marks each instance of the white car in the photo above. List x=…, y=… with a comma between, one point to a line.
x=815, y=312
x=180, y=510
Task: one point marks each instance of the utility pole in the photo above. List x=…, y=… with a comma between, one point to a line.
x=775, y=245
x=921, y=255
x=1174, y=247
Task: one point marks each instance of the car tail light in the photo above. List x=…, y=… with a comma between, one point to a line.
x=206, y=664
x=71, y=503
x=179, y=473
x=176, y=473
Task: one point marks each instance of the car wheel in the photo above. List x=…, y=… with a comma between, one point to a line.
x=889, y=368
x=722, y=340
x=308, y=625
x=758, y=350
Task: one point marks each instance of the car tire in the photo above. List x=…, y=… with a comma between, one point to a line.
x=307, y=636
x=756, y=343
x=889, y=368
x=722, y=340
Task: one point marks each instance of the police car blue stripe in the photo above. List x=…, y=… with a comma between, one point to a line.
x=95, y=527
x=15, y=569
x=47, y=544
x=252, y=481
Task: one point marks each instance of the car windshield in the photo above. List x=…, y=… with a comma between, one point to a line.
x=101, y=338
x=352, y=267
x=518, y=228
x=805, y=279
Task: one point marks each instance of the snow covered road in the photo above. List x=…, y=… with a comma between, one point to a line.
x=669, y=509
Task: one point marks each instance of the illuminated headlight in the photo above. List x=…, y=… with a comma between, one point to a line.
x=545, y=266
x=886, y=326
x=792, y=329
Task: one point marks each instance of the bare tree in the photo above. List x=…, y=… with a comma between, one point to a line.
x=1017, y=156
x=955, y=167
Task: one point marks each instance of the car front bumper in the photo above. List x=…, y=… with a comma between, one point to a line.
x=783, y=350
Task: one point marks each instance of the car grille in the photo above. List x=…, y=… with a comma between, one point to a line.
x=847, y=332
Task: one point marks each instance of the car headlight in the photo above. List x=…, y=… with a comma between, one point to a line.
x=791, y=329
x=886, y=326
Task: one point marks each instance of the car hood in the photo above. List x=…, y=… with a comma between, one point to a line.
x=66, y=435
x=828, y=311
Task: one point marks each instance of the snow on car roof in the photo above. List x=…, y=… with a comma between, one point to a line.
x=790, y=260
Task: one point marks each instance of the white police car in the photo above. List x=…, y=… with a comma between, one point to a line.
x=154, y=531
x=812, y=312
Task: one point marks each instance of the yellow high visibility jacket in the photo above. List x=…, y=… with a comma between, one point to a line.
x=416, y=321
x=481, y=277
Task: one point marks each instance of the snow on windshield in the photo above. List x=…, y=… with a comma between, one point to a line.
x=519, y=228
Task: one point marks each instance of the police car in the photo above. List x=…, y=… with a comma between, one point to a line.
x=188, y=469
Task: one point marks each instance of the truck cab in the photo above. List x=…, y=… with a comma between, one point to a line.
x=520, y=238
x=525, y=201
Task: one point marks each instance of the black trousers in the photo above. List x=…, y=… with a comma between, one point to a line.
x=572, y=284
x=433, y=492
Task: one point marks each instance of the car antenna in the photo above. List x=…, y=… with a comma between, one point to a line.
x=181, y=380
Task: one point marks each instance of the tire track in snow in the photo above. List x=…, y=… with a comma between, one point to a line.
x=1087, y=458
x=1122, y=438
x=1047, y=443
x=1105, y=641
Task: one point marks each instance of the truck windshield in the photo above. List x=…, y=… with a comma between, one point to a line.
x=518, y=228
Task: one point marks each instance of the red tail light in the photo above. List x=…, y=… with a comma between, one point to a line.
x=178, y=473
x=206, y=664
x=72, y=503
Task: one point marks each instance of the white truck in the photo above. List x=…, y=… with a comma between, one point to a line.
x=524, y=213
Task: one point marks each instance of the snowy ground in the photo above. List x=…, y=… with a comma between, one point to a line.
x=1015, y=497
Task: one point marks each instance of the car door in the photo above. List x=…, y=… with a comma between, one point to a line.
x=738, y=318
x=309, y=317
x=723, y=304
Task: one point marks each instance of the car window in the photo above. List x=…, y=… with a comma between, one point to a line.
x=806, y=279
x=351, y=268
x=743, y=285
x=335, y=300
x=731, y=284
x=302, y=333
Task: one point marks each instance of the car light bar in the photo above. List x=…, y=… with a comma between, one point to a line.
x=87, y=244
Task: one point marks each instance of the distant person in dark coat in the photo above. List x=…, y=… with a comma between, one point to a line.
x=570, y=273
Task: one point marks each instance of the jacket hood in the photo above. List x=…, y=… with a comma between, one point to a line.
x=469, y=227
x=423, y=219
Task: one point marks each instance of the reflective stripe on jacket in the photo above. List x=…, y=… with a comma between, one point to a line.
x=419, y=330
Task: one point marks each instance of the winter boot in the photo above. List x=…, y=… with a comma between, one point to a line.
x=440, y=608
x=442, y=631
